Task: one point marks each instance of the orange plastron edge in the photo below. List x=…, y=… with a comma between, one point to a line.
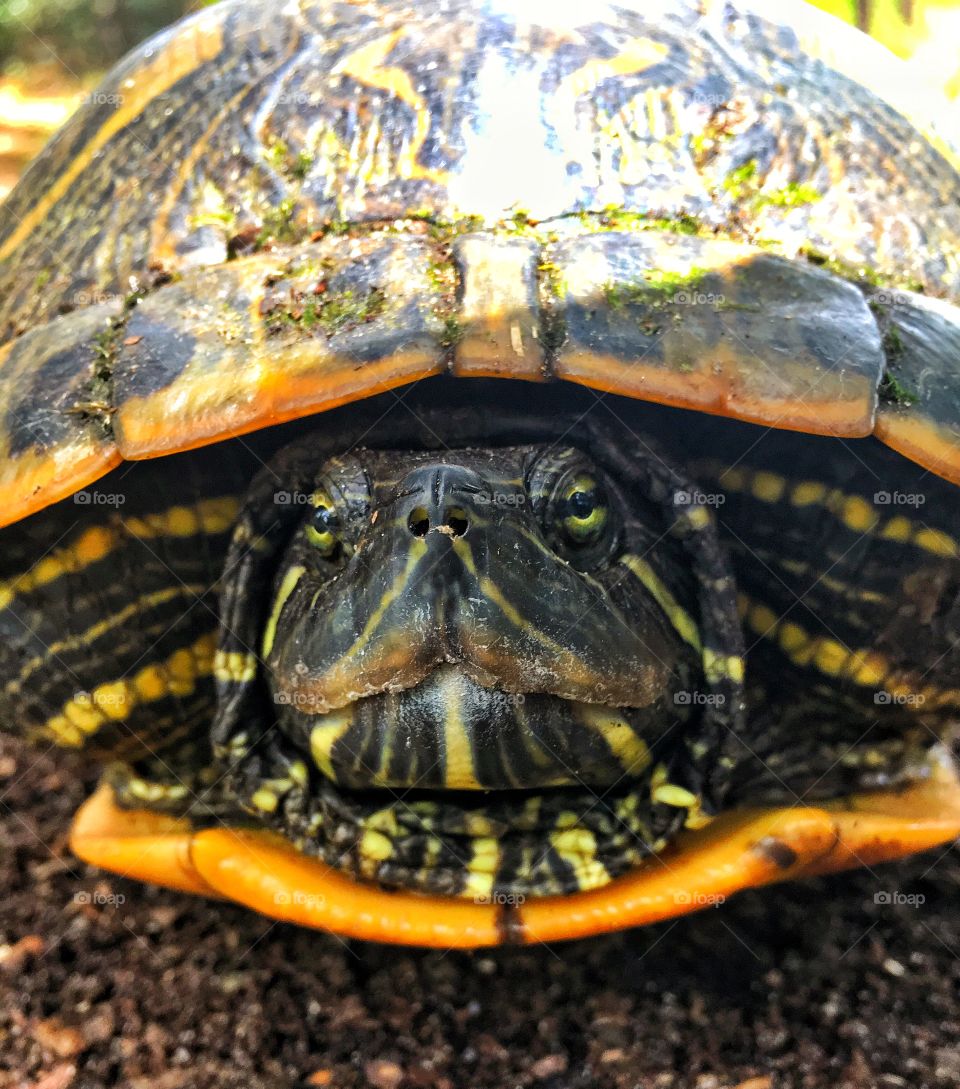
x=741, y=849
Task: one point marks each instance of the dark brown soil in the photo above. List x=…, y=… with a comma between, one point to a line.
x=104, y=981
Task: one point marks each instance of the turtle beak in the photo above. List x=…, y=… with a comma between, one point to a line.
x=454, y=570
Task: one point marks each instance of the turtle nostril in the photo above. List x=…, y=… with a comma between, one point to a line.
x=457, y=521
x=418, y=522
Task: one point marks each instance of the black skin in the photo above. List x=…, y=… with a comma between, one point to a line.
x=484, y=551
x=491, y=579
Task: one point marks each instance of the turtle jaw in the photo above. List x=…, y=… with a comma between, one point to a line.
x=449, y=732
x=452, y=788
x=740, y=849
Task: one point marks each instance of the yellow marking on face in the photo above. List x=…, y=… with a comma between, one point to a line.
x=287, y=586
x=492, y=592
x=697, y=817
x=762, y=619
x=83, y=713
x=859, y=515
x=150, y=684
x=384, y=820
x=368, y=65
x=636, y=56
x=731, y=478
x=484, y=862
x=459, y=772
x=798, y=567
x=192, y=46
x=936, y=542
x=863, y=666
x=697, y=517
x=867, y=668
x=325, y=735
x=114, y=701
x=155, y=792
x=830, y=657
x=92, y=545
x=478, y=885
x=681, y=620
x=417, y=549
x=234, y=666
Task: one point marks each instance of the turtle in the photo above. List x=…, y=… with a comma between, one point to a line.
x=663, y=603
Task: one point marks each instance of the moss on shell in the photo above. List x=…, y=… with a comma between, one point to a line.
x=328, y=312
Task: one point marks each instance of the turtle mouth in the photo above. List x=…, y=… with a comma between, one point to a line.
x=452, y=788
x=449, y=732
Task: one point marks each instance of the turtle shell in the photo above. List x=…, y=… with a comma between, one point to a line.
x=263, y=214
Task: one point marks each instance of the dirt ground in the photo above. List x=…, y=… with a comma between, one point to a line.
x=106, y=982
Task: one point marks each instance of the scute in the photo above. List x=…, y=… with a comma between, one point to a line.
x=455, y=167
x=920, y=417
x=718, y=326
x=272, y=337
x=54, y=436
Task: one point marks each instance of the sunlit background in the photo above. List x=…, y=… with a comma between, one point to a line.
x=51, y=51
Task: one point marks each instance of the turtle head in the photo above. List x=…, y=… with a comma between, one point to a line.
x=463, y=620
x=505, y=665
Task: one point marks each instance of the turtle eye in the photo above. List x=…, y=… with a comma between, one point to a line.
x=583, y=511
x=323, y=526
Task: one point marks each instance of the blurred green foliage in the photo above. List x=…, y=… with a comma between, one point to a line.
x=83, y=36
